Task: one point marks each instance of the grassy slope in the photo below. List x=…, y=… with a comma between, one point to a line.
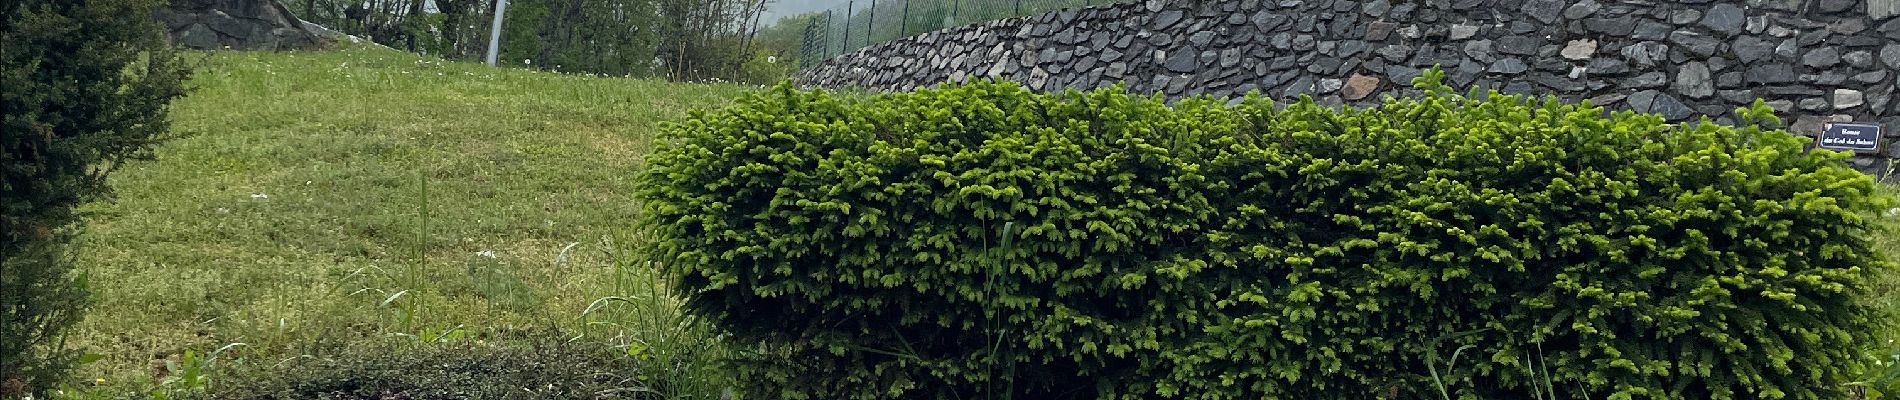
x=193, y=256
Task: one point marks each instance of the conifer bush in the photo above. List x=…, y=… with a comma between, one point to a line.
x=984, y=241
x=84, y=85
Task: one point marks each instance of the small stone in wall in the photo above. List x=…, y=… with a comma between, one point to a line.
x=1401, y=74
x=1410, y=32
x=1871, y=77
x=1757, y=24
x=1359, y=86
x=1545, y=11
x=1787, y=49
x=1182, y=61
x=1462, y=31
x=1480, y=50
x=1609, y=66
x=1652, y=101
x=1395, y=53
x=1582, y=9
x=1607, y=99
x=1304, y=42
x=1749, y=49
x=1822, y=57
x=1651, y=30
x=1509, y=65
x=1520, y=45
x=1847, y=98
x=1859, y=59
x=1378, y=31
x=1813, y=104
x=1619, y=26
x=1202, y=38
x=1848, y=26
x=1737, y=96
x=1376, y=8
x=1580, y=49
x=1830, y=78
x=1647, y=80
x=1303, y=85
x=1329, y=85
x=1693, y=80
x=1166, y=19
x=1883, y=8
x=1685, y=17
x=1700, y=44
x=1806, y=125
x=1725, y=18
x=1835, y=5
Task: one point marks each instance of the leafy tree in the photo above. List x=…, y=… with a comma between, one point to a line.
x=678, y=39
x=86, y=84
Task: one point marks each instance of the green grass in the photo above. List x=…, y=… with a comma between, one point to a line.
x=1885, y=379
x=314, y=200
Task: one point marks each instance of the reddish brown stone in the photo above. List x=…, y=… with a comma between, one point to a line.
x=1359, y=86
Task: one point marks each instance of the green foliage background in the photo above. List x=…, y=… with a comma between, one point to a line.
x=87, y=85
x=984, y=240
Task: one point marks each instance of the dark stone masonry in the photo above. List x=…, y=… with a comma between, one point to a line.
x=1812, y=60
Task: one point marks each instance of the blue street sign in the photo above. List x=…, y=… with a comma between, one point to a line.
x=1862, y=138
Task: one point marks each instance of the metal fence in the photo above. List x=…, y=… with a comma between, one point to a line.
x=860, y=23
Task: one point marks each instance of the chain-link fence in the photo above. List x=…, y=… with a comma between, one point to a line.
x=860, y=23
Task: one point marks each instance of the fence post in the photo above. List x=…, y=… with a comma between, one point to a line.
x=1019, y=8
x=870, y=24
x=954, y=5
x=903, y=24
x=847, y=27
x=494, y=32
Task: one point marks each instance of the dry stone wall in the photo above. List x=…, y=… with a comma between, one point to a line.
x=1814, y=60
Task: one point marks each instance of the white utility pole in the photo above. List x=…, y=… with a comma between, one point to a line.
x=494, y=34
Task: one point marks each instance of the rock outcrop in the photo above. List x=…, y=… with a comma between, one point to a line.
x=237, y=24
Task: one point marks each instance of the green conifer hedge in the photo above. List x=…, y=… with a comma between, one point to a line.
x=84, y=86
x=984, y=241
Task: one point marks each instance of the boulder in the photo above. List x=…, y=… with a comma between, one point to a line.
x=237, y=24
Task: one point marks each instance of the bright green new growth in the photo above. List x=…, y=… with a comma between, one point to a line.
x=1259, y=251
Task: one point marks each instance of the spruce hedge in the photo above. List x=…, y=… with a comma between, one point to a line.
x=984, y=241
x=85, y=85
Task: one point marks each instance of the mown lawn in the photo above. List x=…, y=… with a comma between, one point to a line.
x=315, y=200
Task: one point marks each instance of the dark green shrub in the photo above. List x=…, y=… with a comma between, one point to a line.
x=984, y=241
x=86, y=85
